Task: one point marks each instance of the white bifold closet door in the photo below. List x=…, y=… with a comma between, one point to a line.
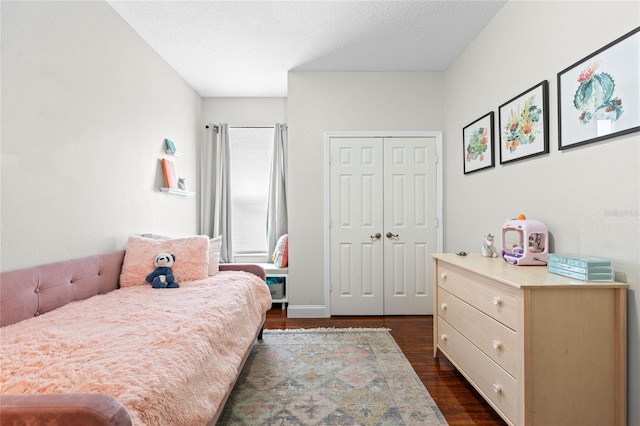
x=383, y=225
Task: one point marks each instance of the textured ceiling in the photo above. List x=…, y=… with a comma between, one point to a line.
x=246, y=48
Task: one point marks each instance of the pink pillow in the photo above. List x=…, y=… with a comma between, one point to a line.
x=192, y=258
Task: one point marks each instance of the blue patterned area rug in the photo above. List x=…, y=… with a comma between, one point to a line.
x=355, y=376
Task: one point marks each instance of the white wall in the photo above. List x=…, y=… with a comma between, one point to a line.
x=589, y=196
x=86, y=105
x=333, y=101
x=244, y=111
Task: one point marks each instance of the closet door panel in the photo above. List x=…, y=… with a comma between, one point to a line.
x=356, y=219
x=410, y=225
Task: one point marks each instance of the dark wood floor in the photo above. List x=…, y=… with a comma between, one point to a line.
x=458, y=401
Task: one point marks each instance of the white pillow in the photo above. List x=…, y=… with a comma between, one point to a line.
x=214, y=255
x=281, y=253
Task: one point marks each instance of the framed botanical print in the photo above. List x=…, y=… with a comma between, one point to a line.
x=477, y=142
x=524, y=124
x=599, y=96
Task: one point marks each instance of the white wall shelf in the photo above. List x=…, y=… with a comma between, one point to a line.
x=177, y=192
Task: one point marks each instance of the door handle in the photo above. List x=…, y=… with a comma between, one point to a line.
x=377, y=236
x=392, y=235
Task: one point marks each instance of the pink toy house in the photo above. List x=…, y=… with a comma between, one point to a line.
x=525, y=242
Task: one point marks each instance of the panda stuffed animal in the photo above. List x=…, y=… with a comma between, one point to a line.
x=162, y=276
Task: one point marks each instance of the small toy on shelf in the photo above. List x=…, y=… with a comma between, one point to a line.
x=525, y=242
x=488, y=249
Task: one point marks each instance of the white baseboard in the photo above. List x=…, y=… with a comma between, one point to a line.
x=307, y=311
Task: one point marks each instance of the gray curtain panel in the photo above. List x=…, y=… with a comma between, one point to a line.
x=215, y=202
x=277, y=219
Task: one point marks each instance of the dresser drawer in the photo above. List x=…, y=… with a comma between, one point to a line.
x=495, y=384
x=499, y=301
x=497, y=341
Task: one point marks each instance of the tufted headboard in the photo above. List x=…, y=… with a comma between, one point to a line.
x=29, y=292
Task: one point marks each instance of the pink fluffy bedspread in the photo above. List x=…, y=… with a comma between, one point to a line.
x=168, y=355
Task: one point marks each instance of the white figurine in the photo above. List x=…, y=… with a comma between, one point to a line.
x=488, y=249
x=181, y=183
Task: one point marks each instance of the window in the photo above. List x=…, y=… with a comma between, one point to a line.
x=250, y=151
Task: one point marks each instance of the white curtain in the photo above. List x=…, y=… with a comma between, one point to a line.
x=215, y=201
x=277, y=220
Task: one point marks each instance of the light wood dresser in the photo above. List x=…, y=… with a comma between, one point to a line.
x=542, y=349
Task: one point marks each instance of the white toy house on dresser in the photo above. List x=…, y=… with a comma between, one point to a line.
x=542, y=349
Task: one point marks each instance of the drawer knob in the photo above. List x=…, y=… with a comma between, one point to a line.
x=497, y=345
x=443, y=337
x=497, y=388
x=443, y=275
x=497, y=301
x=443, y=306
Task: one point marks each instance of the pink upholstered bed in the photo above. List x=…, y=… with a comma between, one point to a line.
x=77, y=349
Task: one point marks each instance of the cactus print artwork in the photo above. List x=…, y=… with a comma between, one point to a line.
x=522, y=126
x=478, y=144
x=599, y=96
x=594, y=98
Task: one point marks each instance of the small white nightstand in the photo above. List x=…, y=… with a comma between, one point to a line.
x=274, y=272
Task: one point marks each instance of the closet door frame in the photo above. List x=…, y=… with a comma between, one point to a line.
x=327, y=193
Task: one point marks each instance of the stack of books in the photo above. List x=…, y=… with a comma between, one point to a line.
x=580, y=267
